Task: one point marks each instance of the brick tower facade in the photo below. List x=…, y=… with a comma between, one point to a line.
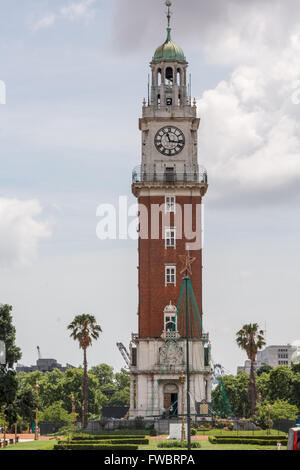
x=169, y=186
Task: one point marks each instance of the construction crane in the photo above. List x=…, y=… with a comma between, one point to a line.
x=125, y=354
x=39, y=352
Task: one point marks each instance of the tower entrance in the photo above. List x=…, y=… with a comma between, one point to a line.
x=171, y=400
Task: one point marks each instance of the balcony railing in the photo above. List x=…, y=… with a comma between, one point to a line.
x=169, y=177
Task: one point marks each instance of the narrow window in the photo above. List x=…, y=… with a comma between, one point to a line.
x=169, y=75
x=170, y=238
x=134, y=357
x=170, y=204
x=170, y=275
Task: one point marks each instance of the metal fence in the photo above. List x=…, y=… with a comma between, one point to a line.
x=169, y=177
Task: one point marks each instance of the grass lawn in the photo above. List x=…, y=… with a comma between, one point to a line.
x=32, y=445
x=206, y=445
x=153, y=443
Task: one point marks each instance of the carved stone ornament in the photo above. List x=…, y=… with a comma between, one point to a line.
x=171, y=354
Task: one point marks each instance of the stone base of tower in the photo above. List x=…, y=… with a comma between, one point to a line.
x=156, y=388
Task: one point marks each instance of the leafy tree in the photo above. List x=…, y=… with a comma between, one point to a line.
x=72, y=383
x=282, y=409
x=264, y=369
x=56, y=413
x=279, y=410
x=58, y=386
x=263, y=386
x=84, y=329
x=8, y=335
x=230, y=398
x=109, y=390
x=295, y=392
x=8, y=380
x=280, y=385
x=251, y=339
x=295, y=368
x=26, y=402
x=104, y=374
x=122, y=379
x=121, y=398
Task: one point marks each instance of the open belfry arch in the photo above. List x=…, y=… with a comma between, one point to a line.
x=169, y=185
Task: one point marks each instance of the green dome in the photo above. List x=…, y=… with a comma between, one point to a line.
x=169, y=52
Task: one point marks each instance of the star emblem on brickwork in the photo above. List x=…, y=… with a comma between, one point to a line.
x=186, y=261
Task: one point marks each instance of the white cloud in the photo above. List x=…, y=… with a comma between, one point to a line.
x=20, y=231
x=250, y=135
x=72, y=11
x=78, y=10
x=45, y=22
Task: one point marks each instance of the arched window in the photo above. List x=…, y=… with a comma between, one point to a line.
x=169, y=75
x=159, y=77
x=170, y=320
x=170, y=323
x=179, y=82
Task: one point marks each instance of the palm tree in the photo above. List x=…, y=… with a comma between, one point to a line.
x=84, y=329
x=251, y=339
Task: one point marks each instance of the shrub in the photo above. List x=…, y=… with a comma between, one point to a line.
x=139, y=422
x=95, y=447
x=193, y=432
x=153, y=432
x=107, y=442
x=180, y=444
x=261, y=440
x=91, y=437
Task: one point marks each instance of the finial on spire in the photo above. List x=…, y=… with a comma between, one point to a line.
x=169, y=4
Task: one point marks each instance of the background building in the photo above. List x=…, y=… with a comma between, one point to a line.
x=43, y=365
x=277, y=355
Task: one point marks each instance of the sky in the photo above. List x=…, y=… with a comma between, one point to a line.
x=76, y=73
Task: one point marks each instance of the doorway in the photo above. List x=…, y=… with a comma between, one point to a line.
x=171, y=402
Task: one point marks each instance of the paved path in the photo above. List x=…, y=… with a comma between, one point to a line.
x=24, y=437
x=193, y=438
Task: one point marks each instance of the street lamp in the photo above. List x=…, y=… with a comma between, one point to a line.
x=36, y=434
x=182, y=381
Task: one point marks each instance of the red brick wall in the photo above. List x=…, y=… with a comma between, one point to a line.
x=153, y=256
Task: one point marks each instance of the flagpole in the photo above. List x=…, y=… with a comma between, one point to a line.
x=188, y=398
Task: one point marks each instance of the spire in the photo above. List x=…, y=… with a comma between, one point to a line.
x=169, y=4
x=169, y=51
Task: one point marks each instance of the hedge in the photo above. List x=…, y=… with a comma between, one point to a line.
x=180, y=444
x=263, y=437
x=106, y=442
x=95, y=447
x=91, y=437
x=242, y=440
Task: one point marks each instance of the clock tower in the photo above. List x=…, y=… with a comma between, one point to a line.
x=169, y=185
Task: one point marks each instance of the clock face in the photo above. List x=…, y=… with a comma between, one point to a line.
x=169, y=141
